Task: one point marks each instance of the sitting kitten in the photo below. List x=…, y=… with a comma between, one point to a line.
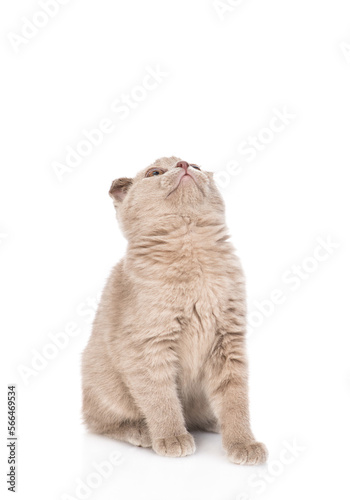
x=167, y=351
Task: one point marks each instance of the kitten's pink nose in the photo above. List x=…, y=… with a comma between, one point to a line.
x=182, y=164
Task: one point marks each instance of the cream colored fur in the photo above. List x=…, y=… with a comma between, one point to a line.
x=167, y=351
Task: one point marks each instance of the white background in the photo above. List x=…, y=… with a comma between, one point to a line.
x=59, y=240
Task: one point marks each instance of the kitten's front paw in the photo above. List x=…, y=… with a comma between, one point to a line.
x=247, y=454
x=175, y=446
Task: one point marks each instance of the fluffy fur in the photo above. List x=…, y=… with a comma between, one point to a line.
x=167, y=351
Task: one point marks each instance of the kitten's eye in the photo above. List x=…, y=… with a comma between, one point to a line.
x=195, y=166
x=154, y=171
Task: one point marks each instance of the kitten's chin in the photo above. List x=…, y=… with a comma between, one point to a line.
x=187, y=196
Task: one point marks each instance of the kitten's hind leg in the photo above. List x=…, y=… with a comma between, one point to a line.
x=134, y=432
x=212, y=426
x=199, y=415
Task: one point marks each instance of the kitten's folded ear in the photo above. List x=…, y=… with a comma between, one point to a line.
x=119, y=188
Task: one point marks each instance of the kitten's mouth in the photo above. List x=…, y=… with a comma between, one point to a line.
x=184, y=177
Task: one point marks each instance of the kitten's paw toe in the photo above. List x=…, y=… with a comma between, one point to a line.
x=175, y=446
x=248, y=453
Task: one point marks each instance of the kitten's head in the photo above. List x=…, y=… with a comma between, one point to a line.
x=168, y=187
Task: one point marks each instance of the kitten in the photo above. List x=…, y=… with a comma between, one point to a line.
x=167, y=351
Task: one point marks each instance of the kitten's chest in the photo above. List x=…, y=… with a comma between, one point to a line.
x=198, y=313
